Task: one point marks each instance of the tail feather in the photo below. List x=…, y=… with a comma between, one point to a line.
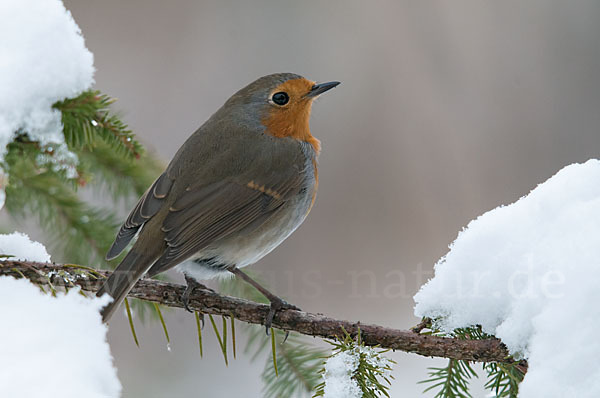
x=124, y=277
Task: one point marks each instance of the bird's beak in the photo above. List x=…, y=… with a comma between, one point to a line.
x=319, y=89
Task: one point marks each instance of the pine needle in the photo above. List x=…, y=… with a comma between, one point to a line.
x=298, y=362
x=221, y=343
x=128, y=309
x=162, y=321
x=225, y=339
x=18, y=271
x=373, y=370
x=91, y=272
x=452, y=380
x=199, y=332
x=503, y=379
x=274, y=352
x=52, y=289
x=233, y=333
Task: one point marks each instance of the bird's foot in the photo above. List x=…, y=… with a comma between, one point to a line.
x=277, y=304
x=192, y=285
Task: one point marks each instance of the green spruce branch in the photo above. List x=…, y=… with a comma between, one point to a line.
x=46, y=181
x=53, y=183
x=79, y=231
x=503, y=379
x=373, y=371
x=452, y=381
x=87, y=119
x=297, y=370
x=293, y=367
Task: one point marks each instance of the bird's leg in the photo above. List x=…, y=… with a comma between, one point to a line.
x=192, y=285
x=277, y=304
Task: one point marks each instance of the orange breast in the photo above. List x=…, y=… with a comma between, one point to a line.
x=292, y=119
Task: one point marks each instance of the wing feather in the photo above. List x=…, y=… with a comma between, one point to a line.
x=147, y=206
x=205, y=215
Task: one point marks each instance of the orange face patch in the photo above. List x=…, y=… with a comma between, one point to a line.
x=292, y=119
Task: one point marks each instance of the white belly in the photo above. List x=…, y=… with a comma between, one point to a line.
x=245, y=249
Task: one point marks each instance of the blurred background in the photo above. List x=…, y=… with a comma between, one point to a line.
x=446, y=110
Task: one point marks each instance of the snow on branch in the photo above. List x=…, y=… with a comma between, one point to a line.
x=53, y=346
x=310, y=324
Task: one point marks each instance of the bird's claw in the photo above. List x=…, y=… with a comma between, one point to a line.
x=186, y=299
x=277, y=305
x=192, y=285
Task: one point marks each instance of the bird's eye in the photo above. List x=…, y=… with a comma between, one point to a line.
x=280, y=98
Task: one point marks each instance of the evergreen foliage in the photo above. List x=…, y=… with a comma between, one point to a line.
x=47, y=181
x=453, y=380
x=298, y=364
x=503, y=379
x=87, y=120
x=53, y=184
x=295, y=370
x=373, y=372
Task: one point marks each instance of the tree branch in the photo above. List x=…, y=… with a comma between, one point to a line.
x=208, y=302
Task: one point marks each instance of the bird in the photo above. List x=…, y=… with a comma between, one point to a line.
x=236, y=189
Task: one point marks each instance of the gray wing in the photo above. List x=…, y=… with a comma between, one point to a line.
x=203, y=215
x=147, y=206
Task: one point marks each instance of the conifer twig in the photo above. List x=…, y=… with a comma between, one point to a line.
x=310, y=324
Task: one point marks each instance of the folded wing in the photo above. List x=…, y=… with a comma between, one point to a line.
x=203, y=215
x=147, y=206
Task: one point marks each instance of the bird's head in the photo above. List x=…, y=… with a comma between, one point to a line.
x=281, y=104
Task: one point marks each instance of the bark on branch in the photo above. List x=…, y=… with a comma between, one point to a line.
x=207, y=302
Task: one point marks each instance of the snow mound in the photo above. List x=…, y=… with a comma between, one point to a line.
x=53, y=346
x=43, y=59
x=529, y=273
x=20, y=247
x=339, y=369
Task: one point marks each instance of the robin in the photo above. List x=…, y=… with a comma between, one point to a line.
x=239, y=186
